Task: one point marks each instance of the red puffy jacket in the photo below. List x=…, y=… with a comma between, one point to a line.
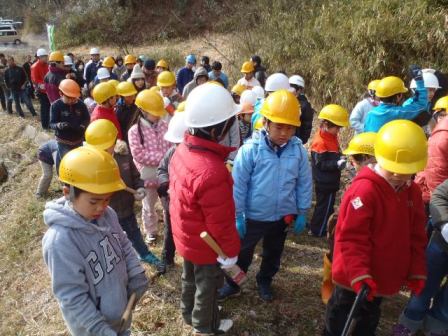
x=201, y=199
x=38, y=72
x=436, y=170
x=380, y=234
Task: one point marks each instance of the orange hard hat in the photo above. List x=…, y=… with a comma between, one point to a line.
x=70, y=88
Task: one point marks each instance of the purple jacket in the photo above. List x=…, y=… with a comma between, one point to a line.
x=52, y=79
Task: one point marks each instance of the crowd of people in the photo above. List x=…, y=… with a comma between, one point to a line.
x=230, y=161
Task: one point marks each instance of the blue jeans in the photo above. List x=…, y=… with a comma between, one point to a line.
x=419, y=307
x=130, y=226
x=17, y=96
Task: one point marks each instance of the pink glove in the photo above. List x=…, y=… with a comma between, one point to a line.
x=357, y=286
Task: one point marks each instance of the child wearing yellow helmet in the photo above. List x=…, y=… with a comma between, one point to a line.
x=85, y=249
x=327, y=162
x=148, y=147
x=373, y=256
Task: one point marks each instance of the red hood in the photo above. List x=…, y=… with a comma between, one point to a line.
x=196, y=143
x=441, y=126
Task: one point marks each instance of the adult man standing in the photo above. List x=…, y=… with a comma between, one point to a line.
x=38, y=72
x=186, y=74
x=92, y=66
x=15, y=80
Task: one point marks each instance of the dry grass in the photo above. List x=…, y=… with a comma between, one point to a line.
x=28, y=308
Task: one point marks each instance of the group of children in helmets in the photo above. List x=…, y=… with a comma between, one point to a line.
x=172, y=149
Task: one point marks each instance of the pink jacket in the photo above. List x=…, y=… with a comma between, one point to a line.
x=151, y=151
x=436, y=170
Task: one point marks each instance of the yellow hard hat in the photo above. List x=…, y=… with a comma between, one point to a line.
x=441, y=104
x=101, y=134
x=215, y=83
x=126, y=89
x=335, y=114
x=401, y=147
x=361, y=143
x=373, y=84
x=150, y=102
x=238, y=89
x=162, y=64
x=56, y=56
x=114, y=82
x=103, y=91
x=389, y=86
x=108, y=62
x=91, y=170
x=247, y=67
x=155, y=89
x=259, y=123
x=130, y=59
x=181, y=107
x=166, y=79
x=282, y=107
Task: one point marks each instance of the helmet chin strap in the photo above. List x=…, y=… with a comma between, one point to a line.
x=71, y=194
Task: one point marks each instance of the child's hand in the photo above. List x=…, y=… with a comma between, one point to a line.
x=299, y=224
x=140, y=194
x=357, y=286
x=416, y=286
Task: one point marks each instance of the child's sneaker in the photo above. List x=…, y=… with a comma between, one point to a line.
x=151, y=259
x=224, y=326
x=401, y=330
x=228, y=291
x=265, y=292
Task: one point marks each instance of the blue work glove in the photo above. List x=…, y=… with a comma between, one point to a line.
x=241, y=225
x=299, y=224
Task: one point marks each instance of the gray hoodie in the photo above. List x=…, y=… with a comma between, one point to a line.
x=201, y=71
x=92, y=267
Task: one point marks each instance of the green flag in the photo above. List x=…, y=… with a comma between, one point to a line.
x=50, y=33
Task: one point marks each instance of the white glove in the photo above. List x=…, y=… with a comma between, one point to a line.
x=140, y=194
x=121, y=147
x=166, y=101
x=227, y=263
x=445, y=232
x=342, y=163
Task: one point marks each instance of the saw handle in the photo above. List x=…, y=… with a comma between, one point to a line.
x=128, y=311
x=213, y=245
x=130, y=190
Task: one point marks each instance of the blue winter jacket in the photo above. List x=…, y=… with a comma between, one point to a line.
x=91, y=70
x=269, y=184
x=184, y=76
x=383, y=113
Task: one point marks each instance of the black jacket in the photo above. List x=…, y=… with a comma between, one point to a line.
x=260, y=74
x=123, y=201
x=77, y=116
x=304, y=131
x=127, y=116
x=326, y=174
x=439, y=212
x=15, y=78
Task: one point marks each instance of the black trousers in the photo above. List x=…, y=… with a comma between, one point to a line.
x=323, y=210
x=2, y=98
x=168, y=243
x=274, y=236
x=366, y=320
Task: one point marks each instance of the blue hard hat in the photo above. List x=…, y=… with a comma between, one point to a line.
x=191, y=59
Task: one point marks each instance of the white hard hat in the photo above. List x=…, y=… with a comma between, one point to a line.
x=41, y=52
x=259, y=91
x=94, y=51
x=68, y=60
x=297, y=80
x=248, y=96
x=208, y=105
x=430, y=80
x=277, y=81
x=103, y=73
x=176, y=128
